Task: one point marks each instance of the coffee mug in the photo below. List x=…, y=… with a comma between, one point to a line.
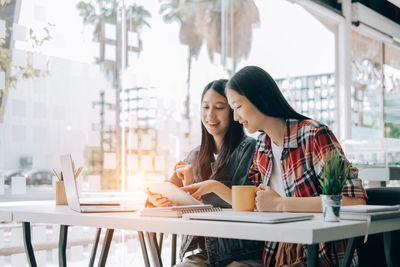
x=243, y=197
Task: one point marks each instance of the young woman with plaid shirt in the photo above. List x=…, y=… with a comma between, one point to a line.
x=288, y=162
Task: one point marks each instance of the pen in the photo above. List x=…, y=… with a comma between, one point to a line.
x=55, y=173
x=78, y=172
x=73, y=166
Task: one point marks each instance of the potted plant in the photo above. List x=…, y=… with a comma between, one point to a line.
x=335, y=173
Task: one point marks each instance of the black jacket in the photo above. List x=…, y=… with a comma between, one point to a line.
x=222, y=251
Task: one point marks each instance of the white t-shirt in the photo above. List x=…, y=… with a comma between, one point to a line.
x=276, y=180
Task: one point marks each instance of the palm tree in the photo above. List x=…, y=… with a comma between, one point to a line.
x=9, y=12
x=240, y=17
x=184, y=12
x=98, y=13
x=201, y=20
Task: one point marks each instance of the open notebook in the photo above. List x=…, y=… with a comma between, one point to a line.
x=173, y=193
x=253, y=217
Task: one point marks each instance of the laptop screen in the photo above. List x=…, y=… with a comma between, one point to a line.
x=69, y=183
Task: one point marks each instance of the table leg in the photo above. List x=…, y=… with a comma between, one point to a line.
x=160, y=241
x=62, y=246
x=144, y=250
x=173, y=250
x=351, y=246
x=26, y=228
x=106, y=247
x=155, y=253
x=312, y=255
x=387, y=245
x=94, y=249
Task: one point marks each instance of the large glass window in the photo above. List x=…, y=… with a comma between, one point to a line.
x=118, y=85
x=391, y=72
x=207, y=40
x=367, y=87
x=375, y=101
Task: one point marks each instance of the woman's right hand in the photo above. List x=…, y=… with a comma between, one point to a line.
x=156, y=200
x=267, y=199
x=184, y=171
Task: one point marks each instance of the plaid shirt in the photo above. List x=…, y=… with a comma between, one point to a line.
x=304, y=145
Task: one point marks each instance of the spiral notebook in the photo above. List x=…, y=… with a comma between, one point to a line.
x=177, y=211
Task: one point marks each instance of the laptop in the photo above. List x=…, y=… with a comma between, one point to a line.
x=369, y=208
x=252, y=217
x=73, y=196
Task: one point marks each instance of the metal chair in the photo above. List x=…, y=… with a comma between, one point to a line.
x=381, y=249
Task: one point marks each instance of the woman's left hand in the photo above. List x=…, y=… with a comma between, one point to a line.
x=267, y=199
x=197, y=190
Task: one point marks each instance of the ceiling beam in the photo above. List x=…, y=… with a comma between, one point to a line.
x=320, y=10
x=374, y=21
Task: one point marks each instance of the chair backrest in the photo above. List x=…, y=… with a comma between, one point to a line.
x=372, y=253
x=383, y=196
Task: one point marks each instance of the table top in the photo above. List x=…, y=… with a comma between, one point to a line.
x=306, y=232
x=6, y=208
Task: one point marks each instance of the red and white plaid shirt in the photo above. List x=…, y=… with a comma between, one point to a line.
x=304, y=145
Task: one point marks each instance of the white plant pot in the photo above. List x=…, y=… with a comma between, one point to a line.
x=331, y=207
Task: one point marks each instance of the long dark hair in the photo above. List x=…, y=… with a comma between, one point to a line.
x=262, y=91
x=232, y=139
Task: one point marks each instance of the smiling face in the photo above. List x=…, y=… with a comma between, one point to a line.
x=215, y=113
x=244, y=111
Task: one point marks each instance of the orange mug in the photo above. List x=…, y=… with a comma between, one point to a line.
x=243, y=197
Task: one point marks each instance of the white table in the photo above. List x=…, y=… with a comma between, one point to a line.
x=306, y=232
x=6, y=214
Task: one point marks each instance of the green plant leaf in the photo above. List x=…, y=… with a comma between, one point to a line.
x=335, y=173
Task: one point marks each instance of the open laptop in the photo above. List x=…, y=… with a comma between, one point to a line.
x=253, y=217
x=72, y=192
